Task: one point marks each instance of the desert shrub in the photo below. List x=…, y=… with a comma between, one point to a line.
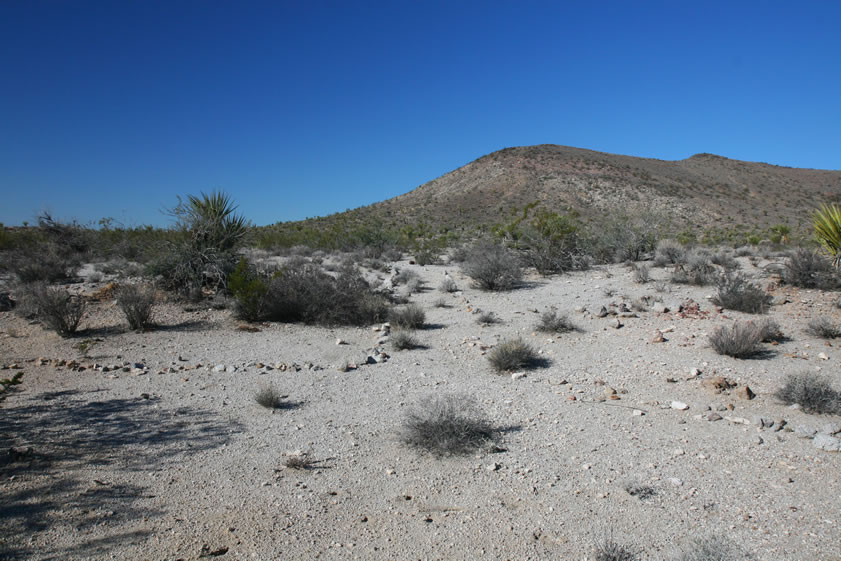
x=448, y=285
x=725, y=260
x=623, y=237
x=403, y=340
x=408, y=278
x=512, y=354
x=307, y=295
x=710, y=548
x=642, y=273
x=812, y=392
x=669, y=252
x=270, y=398
x=492, y=267
x=736, y=293
x=51, y=252
x=137, y=304
x=392, y=254
x=407, y=317
x=808, y=269
x=697, y=270
x=745, y=251
x=448, y=425
x=823, y=327
x=739, y=340
x=440, y=303
x=8, y=385
x=300, y=462
x=553, y=322
x=827, y=224
x=639, y=490
x=459, y=254
x=486, y=318
x=770, y=331
x=610, y=550
x=54, y=307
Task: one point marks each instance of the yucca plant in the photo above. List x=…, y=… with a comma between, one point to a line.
x=827, y=223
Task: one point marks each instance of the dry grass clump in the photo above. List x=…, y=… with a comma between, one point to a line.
x=812, y=392
x=486, y=318
x=54, y=307
x=553, y=322
x=407, y=317
x=448, y=425
x=736, y=293
x=712, y=548
x=137, y=303
x=823, y=327
x=642, y=273
x=513, y=354
x=492, y=267
x=696, y=270
x=610, y=550
x=270, y=398
x=739, y=340
x=669, y=252
x=300, y=462
x=770, y=331
x=403, y=340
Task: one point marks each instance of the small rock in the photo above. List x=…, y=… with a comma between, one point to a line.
x=828, y=443
x=805, y=432
x=518, y=375
x=220, y=368
x=638, y=413
x=675, y=481
x=717, y=384
x=744, y=392
x=679, y=405
x=713, y=416
x=823, y=356
x=616, y=324
x=658, y=337
x=602, y=313
x=493, y=467
x=831, y=428
x=659, y=308
x=341, y=342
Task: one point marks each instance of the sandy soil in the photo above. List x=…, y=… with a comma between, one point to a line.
x=172, y=458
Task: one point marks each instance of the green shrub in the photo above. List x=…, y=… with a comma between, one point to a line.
x=736, y=293
x=827, y=224
x=552, y=322
x=55, y=307
x=808, y=269
x=249, y=292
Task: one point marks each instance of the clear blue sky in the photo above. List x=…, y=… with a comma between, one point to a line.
x=299, y=109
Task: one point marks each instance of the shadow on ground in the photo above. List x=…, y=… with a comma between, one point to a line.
x=52, y=441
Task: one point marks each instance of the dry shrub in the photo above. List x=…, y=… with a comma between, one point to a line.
x=739, y=340
x=137, y=304
x=407, y=317
x=808, y=269
x=513, y=354
x=403, y=340
x=823, y=327
x=448, y=425
x=54, y=307
x=492, y=267
x=812, y=392
x=553, y=322
x=736, y=293
x=270, y=398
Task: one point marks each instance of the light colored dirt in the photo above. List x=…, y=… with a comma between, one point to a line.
x=159, y=466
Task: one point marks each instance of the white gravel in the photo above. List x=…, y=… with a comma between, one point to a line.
x=157, y=465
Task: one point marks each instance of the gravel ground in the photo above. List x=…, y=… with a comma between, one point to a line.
x=172, y=458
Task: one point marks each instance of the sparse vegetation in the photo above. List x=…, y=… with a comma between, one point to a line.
x=54, y=307
x=827, y=224
x=808, y=269
x=823, y=327
x=7, y=385
x=610, y=550
x=512, y=354
x=407, y=317
x=300, y=462
x=403, y=340
x=669, y=252
x=492, y=267
x=270, y=398
x=448, y=425
x=711, y=548
x=697, y=270
x=736, y=293
x=770, y=331
x=814, y=393
x=486, y=318
x=739, y=340
x=642, y=273
x=553, y=322
x=137, y=304
x=448, y=285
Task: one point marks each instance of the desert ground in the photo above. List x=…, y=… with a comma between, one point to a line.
x=151, y=446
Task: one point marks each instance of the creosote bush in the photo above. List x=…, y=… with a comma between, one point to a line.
x=610, y=550
x=824, y=328
x=411, y=316
x=553, y=322
x=642, y=273
x=696, y=270
x=669, y=252
x=448, y=425
x=512, y=354
x=492, y=267
x=739, y=340
x=812, y=392
x=486, y=318
x=448, y=285
x=54, y=307
x=137, y=304
x=770, y=331
x=736, y=293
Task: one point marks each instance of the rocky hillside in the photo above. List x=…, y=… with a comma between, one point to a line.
x=704, y=190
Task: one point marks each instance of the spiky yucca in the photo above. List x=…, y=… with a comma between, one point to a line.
x=827, y=223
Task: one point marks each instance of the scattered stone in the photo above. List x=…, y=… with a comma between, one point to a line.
x=675, y=481
x=659, y=308
x=744, y=392
x=713, y=417
x=828, y=443
x=805, y=432
x=518, y=375
x=658, y=338
x=638, y=413
x=717, y=384
x=341, y=342
x=493, y=467
x=616, y=324
x=823, y=356
x=679, y=405
x=602, y=312
x=220, y=368
x=831, y=428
